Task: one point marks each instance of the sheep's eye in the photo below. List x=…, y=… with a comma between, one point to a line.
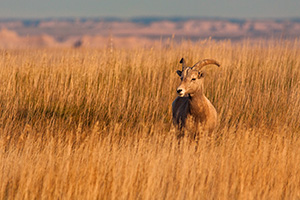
x=193, y=79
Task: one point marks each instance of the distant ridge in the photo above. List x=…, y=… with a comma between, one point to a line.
x=97, y=31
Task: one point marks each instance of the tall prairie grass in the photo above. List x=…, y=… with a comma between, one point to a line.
x=95, y=123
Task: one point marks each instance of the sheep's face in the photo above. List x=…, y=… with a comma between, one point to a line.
x=191, y=81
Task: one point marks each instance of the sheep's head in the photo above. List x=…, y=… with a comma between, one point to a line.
x=192, y=77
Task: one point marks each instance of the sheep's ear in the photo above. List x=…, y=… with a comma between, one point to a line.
x=179, y=72
x=201, y=75
x=182, y=61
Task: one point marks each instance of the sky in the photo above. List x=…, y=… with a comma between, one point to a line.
x=241, y=9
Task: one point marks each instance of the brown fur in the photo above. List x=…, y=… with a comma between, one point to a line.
x=191, y=109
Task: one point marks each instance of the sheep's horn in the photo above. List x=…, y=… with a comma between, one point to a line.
x=205, y=62
x=182, y=61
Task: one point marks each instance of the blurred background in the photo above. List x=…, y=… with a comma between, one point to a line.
x=132, y=23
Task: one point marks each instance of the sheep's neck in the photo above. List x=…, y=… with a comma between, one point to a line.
x=198, y=106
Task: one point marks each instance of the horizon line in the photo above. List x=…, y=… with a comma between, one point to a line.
x=150, y=18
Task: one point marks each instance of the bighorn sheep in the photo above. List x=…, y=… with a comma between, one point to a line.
x=192, y=105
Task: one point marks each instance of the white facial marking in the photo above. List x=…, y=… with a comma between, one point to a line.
x=181, y=92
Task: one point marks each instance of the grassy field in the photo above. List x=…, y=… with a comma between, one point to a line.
x=95, y=123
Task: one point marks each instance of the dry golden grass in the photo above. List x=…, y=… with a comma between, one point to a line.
x=95, y=124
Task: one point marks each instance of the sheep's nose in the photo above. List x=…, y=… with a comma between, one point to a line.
x=179, y=91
